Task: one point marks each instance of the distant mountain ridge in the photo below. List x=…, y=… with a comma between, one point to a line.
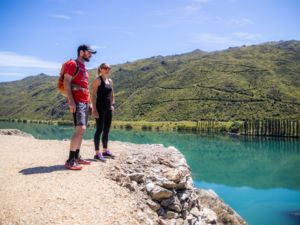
x=257, y=81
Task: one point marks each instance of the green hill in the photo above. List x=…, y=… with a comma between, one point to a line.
x=258, y=81
x=34, y=97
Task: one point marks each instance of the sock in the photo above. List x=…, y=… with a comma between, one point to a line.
x=71, y=155
x=77, y=153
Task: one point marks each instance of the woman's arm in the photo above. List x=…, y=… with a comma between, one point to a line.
x=96, y=84
x=113, y=96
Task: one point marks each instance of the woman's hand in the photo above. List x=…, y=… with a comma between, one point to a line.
x=95, y=113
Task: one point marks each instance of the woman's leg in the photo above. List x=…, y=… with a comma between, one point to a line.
x=99, y=129
x=106, y=128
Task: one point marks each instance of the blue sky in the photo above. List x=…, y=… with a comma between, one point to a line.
x=39, y=35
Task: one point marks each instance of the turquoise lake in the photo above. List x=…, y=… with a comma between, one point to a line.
x=258, y=177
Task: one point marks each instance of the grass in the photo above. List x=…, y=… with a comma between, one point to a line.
x=193, y=126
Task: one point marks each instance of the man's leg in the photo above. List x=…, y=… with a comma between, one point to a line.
x=81, y=126
x=80, y=122
x=75, y=141
x=77, y=138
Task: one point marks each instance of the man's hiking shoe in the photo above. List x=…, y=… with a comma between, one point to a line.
x=72, y=165
x=100, y=157
x=80, y=160
x=108, y=154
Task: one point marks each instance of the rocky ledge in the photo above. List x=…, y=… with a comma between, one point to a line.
x=157, y=185
x=161, y=182
x=14, y=132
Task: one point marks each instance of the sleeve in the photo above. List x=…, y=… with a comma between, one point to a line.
x=70, y=68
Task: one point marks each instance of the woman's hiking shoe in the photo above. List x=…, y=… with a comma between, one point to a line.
x=82, y=161
x=100, y=157
x=108, y=154
x=72, y=165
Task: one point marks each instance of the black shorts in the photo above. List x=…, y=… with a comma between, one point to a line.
x=81, y=114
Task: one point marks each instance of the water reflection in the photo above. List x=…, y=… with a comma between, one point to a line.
x=233, y=161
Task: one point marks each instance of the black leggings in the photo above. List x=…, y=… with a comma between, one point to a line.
x=103, y=123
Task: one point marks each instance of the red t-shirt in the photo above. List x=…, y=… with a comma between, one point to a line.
x=81, y=79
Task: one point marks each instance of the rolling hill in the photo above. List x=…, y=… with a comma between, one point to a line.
x=257, y=81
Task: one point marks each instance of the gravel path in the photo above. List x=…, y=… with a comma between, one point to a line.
x=36, y=189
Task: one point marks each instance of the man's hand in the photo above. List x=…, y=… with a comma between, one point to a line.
x=72, y=106
x=67, y=85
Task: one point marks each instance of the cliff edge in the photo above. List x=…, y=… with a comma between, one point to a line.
x=144, y=184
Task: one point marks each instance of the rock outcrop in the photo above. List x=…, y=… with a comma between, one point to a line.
x=14, y=132
x=160, y=179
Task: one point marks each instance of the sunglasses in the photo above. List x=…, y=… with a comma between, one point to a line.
x=105, y=68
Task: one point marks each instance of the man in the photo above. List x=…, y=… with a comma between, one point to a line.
x=77, y=89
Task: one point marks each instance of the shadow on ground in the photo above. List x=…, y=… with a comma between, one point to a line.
x=42, y=169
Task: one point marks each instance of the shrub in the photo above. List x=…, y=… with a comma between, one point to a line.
x=223, y=129
x=235, y=127
x=65, y=123
x=145, y=127
x=128, y=127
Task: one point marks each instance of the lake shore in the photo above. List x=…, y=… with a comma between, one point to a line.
x=145, y=184
x=252, y=127
x=189, y=126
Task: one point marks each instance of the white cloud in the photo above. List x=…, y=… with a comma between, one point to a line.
x=209, y=41
x=14, y=66
x=233, y=22
x=11, y=74
x=184, y=10
x=220, y=41
x=11, y=59
x=98, y=47
x=246, y=36
x=239, y=22
x=57, y=16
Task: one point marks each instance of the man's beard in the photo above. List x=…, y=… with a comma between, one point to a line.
x=86, y=59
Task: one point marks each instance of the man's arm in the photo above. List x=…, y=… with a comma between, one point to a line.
x=67, y=86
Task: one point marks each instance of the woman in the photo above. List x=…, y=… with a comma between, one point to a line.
x=103, y=106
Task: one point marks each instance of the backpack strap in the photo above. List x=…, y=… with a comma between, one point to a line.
x=76, y=87
x=77, y=69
